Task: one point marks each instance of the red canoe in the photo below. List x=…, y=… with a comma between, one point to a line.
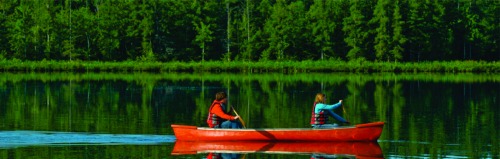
x=360, y=132
x=357, y=149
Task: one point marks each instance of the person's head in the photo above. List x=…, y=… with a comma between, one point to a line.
x=221, y=97
x=320, y=98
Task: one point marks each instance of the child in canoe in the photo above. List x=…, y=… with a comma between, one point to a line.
x=321, y=111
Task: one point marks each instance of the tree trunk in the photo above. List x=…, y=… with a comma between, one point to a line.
x=228, y=38
x=248, y=31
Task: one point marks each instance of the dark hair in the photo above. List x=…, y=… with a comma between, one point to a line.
x=220, y=96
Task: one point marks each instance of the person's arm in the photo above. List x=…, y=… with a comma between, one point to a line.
x=320, y=106
x=217, y=110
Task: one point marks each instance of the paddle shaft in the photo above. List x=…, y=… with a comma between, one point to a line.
x=241, y=120
x=345, y=114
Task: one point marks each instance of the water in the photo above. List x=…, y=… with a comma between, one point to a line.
x=17, y=139
x=70, y=115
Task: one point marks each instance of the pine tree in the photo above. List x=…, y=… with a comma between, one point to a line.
x=249, y=31
x=18, y=28
x=398, y=38
x=146, y=30
x=204, y=24
x=112, y=19
x=322, y=16
x=276, y=27
x=482, y=26
x=429, y=37
x=357, y=30
x=383, y=37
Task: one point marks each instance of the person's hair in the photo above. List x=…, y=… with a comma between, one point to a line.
x=320, y=98
x=220, y=96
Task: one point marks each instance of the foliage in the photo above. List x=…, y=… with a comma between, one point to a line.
x=250, y=30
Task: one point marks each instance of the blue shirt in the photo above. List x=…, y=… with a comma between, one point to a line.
x=321, y=106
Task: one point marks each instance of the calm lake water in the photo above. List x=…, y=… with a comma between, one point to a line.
x=128, y=115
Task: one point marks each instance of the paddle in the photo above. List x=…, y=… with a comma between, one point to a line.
x=241, y=120
x=345, y=113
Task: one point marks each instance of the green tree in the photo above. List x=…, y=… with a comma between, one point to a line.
x=324, y=19
x=85, y=34
x=204, y=24
x=147, y=31
x=383, y=37
x=138, y=41
x=455, y=21
x=6, y=9
x=428, y=35
x=204, y=36
x=178, y=30
x=273, y=27
x=389, y=38
x=229, y=27
x=41, y=30
x=111, y=25
x=251, y=37
x=482, y=29
x=398, y=38
x=65, y=38
x=18, y=27
x=285, y=29
x=169, y=30
x=358, y=31
x=248, y=31
x=264, y=11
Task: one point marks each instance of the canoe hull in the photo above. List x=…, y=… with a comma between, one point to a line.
x=360, y=132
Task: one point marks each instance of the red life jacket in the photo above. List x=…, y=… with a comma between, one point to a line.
x=212, y=119
x=318, y=119
x=213, y=156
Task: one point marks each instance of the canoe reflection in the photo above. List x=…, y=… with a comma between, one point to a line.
x=315, y=149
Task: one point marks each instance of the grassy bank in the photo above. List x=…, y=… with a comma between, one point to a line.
x=253, y=67
x=151, y=78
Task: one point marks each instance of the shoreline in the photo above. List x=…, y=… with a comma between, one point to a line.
x=324, y=66
x=151, y=77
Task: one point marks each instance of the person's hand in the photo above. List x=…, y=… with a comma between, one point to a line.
x=236, y=117
x=340, y=101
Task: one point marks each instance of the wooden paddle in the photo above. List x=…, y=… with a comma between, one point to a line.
x=241, y=120
x=345, y=114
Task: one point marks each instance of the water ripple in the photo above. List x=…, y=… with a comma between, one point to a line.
x=13, y=139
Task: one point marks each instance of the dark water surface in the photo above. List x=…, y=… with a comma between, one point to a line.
x=114, y=115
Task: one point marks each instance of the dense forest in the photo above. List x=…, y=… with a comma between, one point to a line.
x=250, y=30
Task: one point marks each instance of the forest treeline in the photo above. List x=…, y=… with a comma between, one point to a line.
x=250, y=30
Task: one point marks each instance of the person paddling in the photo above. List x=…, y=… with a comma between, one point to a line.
x=321, y=111
x=218, y=118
